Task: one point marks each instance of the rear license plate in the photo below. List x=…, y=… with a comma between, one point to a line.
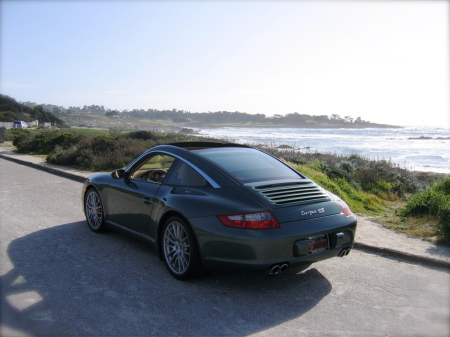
x=318, y=244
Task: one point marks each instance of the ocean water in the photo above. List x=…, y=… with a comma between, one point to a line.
x=418, y=149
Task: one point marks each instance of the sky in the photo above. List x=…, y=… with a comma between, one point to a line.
x=384, y=61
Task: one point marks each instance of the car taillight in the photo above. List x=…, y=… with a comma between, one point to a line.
x=263, y=220
x=345, y=207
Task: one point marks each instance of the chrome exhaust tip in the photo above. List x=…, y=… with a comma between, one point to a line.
x=284, y=267
x=278, y=269
x=274, y=270
x=344, y=252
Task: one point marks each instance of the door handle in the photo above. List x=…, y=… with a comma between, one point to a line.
x=147, y=200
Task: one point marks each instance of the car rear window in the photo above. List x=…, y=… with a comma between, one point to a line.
x=248, y=165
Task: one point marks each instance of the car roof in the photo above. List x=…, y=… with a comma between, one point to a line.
x=205, y=145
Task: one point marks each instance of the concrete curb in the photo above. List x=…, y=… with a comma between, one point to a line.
x=46, y=168
x=403, y=255
x=358, y=245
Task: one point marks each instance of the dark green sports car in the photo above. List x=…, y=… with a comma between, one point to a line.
x=211, y=206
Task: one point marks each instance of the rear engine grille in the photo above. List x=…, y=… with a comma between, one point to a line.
x=305, y=192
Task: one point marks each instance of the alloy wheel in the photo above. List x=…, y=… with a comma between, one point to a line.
x=177, y=248
x=94, y=211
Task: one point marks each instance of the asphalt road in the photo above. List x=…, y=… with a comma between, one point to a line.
x=60, y=279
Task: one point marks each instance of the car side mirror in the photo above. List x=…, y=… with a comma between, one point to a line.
x=118, y=174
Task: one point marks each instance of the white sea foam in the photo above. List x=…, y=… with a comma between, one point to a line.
x=421, y=149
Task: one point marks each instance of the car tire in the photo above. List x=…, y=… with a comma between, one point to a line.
x=93, y=209
x=179, y=249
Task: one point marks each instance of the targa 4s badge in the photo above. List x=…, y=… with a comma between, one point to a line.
x=315, y=211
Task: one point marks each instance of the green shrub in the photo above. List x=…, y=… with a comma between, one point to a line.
x=43, y=142
x=12, y=134
x=102, y=153
x=23, y=141
x=144, y=135
x=435, y=201
x=424, y=203
x=430, y=201
x=443, y=186
x=347, y=166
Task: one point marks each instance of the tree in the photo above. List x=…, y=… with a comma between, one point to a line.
x=348, y=119
x=111, y=113
x=335, y=117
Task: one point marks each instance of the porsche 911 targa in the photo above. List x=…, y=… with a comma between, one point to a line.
x=213, y=206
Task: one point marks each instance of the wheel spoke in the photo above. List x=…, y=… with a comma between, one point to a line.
x=183, y=260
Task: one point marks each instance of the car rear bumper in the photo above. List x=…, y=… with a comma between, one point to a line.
x=267, y=266
x=259, y=250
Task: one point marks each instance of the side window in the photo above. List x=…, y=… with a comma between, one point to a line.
x=184, y=175
x=153, y=168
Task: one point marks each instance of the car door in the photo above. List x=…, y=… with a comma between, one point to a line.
x=131, y=198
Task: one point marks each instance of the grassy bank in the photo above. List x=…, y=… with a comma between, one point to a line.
x=375, y=187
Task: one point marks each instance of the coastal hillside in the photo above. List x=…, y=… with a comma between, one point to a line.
x=11, y=110
x=99, y=116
